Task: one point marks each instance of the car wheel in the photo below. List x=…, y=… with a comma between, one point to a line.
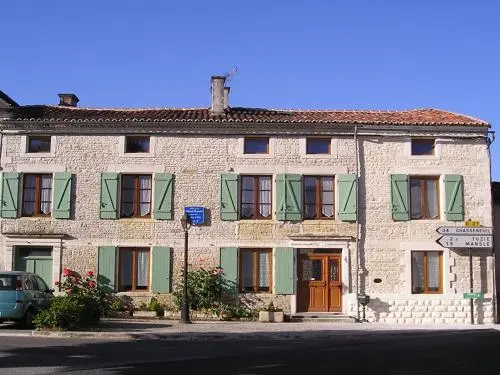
x=27, y=321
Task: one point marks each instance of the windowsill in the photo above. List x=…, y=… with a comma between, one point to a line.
x=35, y=217
x=138, y=155
x=423, y=157
x=135, y=218
x=247, y=221
x=141, y=293
x=256, y=156
x=38, y=154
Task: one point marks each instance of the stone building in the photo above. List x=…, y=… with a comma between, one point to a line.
x=285, y=214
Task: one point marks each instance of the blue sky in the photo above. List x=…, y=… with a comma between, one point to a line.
x=333, y=54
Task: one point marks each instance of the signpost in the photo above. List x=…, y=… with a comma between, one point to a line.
x=471, y=236
x=196, y=214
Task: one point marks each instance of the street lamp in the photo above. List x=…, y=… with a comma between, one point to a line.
x=186, y=224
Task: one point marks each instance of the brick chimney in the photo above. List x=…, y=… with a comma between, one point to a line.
x=226, y=97
x=68, y=100
x=218, y=95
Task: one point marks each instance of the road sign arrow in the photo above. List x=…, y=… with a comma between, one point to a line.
x=465, y=231
x=484, y=242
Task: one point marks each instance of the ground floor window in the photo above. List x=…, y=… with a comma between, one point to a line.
x=255, y=270
x=133, y=266
x=426, y=272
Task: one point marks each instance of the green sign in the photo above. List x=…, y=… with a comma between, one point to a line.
x=474, y=295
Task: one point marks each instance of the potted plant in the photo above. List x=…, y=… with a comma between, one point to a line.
x=151, y=310
x=271, y=314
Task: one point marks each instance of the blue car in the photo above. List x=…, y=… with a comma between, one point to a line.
x=22, y=296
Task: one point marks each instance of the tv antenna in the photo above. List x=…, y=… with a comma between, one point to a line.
x=231, y=74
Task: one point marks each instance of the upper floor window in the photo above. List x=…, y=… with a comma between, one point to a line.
x=136, y=196
x=256, y=145
x=318, y=145
x=137, y=144
x=37, y=144
x=255, y=270
x=37, y=195
x=422, y=146
x=426, y=272
x=256, y=197
x=133, y=265
x=318, y=197
x=424, y=201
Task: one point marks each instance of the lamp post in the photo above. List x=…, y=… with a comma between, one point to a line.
x=186, y=224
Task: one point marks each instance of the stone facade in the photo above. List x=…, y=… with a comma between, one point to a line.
x=197, y=162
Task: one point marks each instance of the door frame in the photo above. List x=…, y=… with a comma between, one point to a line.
x=339, y=245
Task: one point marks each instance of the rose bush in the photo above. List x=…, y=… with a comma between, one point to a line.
x=79, y=306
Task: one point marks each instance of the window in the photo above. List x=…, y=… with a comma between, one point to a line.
x=136, y=196
x=424, y=201
x=38, y=143
x=422, y=146
x=318, y=145
x=258, y=145
x=255, y=270
x=37, y=195
x=426, y=272
x=318, y=197
x=256, y=197
x=135, y=144
x=133, y=272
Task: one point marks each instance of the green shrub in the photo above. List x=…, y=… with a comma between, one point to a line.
x=64, y=313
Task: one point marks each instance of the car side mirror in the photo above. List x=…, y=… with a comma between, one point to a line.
x=50, y=290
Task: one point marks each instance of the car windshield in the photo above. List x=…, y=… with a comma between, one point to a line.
x=8, y=282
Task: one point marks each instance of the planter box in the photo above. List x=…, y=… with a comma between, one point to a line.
x=144, y=314
x=271, y=316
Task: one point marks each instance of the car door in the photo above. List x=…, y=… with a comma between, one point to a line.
x=38, y=295
x=46, y=293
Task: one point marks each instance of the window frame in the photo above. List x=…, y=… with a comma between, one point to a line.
x=426, y=275
x=256, y=270
x=329, y=152
x=423, y=197
x=319, y=198
x=245, y=139
x=424, y=141
x=256, y=215
x=38, y=195
x=136, y=137
x=135, y=251
x=137, y=191
x=29, y=138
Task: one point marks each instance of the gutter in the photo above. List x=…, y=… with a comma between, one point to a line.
x=489, y=142
x=358, y=257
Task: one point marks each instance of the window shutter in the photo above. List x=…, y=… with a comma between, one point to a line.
x=106, y=268
x=10, y=194
x=109, y=196
x=229, y=196
x=289, y=197
x=347, y=197
x=163, y=196
x=62, y=195
x=400, y=198
x=283, y=270
x=229, y=265
x=160, y=275
x=454, y=191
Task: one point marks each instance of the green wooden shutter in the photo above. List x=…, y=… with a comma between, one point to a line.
x=289, y=197
x=106, y=268
x=163, y=196
x=229, y=196
x=160, y=275
x=454, y=192
x=62, y=195
x=109, y=196
x=347, y=197
x=229, y=265
x=10, y=194
x=283, y=270
x=400, y=198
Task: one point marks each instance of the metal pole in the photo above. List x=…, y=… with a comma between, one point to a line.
x=185, y=301
x=471, y=288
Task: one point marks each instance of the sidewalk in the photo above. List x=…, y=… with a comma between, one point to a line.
x=125, y=329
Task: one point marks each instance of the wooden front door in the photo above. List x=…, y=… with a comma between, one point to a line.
x=320, y=283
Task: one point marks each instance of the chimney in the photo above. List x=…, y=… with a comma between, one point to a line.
x=218, y=95
x=68, y=100
x=226, y=97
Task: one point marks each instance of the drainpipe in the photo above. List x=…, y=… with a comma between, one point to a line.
x=357, y=220
x=494, y=301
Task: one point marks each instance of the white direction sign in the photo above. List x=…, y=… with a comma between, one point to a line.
x=466, y=241
x=468, y=231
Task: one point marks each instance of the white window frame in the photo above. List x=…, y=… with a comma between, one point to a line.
x=24, y=147
x=122, y=143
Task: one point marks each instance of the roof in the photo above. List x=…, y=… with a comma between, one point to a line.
x=47, y=113
x=6, y=100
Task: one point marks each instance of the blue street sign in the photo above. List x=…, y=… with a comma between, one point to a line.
x=195, y=214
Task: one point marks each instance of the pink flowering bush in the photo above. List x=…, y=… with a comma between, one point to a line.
x=80, y=305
